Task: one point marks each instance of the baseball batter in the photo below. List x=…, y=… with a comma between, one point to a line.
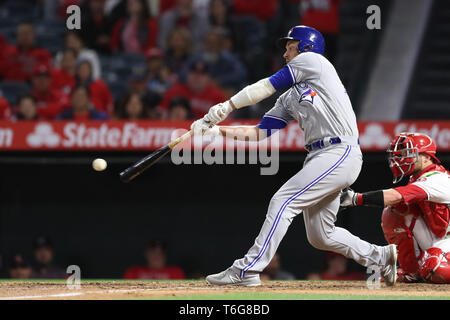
x=417, y=215
x=318, y=101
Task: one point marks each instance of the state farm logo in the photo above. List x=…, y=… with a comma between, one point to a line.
x=374, y=136
x=43, y=135
x=97, y=135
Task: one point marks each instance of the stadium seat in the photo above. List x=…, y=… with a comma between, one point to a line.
x=117, y=88
x=12, y=91
x=52, y=43
x=127, y=61
x=19, y=10
x=9, y=33
x=49, y=28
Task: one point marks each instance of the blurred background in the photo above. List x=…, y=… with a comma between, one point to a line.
x=158, y=65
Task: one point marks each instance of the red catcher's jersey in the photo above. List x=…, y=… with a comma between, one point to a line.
x=430, y=191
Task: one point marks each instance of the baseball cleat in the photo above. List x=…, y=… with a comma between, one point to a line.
x=389, y=272
x=231, y=277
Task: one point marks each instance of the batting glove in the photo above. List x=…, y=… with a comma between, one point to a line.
x=348, y=198
x=218, y=113
x=213, y=132
x=200, y=126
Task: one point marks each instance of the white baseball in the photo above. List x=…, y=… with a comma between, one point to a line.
x=99, y=164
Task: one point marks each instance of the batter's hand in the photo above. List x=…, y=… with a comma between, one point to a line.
x=200, y=126
x=348, y=198
x=213, y=132
x=218, y=113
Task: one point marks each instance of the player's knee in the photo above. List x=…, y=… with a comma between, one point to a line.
x=277, y=202
x=434, y=266
x=319, y=241
x=278, y=199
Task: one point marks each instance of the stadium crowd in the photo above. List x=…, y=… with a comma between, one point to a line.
x=142, y=59
x=156, y=265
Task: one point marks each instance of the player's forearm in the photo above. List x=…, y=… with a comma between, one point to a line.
x=391, y=197
x=252, y=94
x=379, y=198
x=242, y=133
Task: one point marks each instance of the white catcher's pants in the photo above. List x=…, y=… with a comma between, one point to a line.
x=424, y=239
x=315, y=191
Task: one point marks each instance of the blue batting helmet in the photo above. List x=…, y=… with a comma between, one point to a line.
x=310, y=39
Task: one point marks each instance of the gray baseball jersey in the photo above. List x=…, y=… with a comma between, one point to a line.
x=317, y=99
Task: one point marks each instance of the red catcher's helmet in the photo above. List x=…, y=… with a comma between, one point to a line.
x=404, y=150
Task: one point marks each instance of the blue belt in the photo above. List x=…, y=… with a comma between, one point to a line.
x=319, y=144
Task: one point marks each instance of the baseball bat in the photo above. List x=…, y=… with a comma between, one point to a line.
x=136, y=169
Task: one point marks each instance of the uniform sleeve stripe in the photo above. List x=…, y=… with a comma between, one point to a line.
x=270, y=116
x=292, y=74
x=282, y=79
x=269, y=124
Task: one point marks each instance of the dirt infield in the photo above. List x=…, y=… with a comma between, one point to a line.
x=15, y=290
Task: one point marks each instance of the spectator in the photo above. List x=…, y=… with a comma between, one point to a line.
x=19, y=268
x=131, y=107
x=156, y=267
x=273, y=271
x=225, y=68
x=26, y=108
x=183, y=15
x=220, y=17
x=180, y=109
x=5, y=52
x=255, y=8
x=198, y=90
x=96, y=26
x=63, y=79
x=50, y=102
x=137, y=32
x=336, y=269
x=324, y=17
x=159, y=78
x=253, y=20
x=99, y=91
x=81, y=107
x=138, y=85
x=5, y=109
x=74, y=41
x=165, y=5
x=178, y=49
x=44, y=267
x=20, y=60
x=137, y=81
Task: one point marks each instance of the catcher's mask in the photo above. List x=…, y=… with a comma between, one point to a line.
x=403, y=153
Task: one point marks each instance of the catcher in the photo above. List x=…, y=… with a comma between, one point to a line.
x=417, y=215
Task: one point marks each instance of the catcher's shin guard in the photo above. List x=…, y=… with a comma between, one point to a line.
x=397, y=232
x=434, y=266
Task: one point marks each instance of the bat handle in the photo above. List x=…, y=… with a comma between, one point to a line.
x=185, y=136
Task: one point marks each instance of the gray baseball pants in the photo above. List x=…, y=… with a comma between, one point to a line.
x=315, y=191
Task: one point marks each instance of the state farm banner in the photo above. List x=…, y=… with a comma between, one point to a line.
x=150, y=135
